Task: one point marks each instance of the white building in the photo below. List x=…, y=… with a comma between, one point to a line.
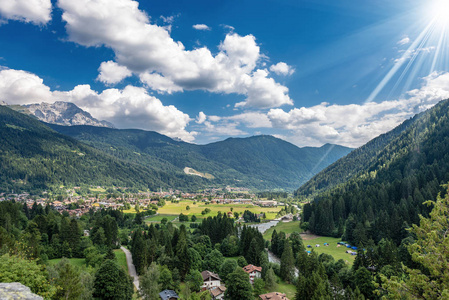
x=253, y=271
x=210, y=280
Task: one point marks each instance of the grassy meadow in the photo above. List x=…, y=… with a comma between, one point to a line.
x=312, y=240
x=196, y=209
x=288, y=228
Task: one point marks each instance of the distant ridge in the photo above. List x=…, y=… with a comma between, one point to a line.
x=262, y=162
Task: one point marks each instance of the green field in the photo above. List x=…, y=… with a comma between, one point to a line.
x=312, y=240
x=80, y=262
x=288, y=228
x=159, y=217
x=196, y=209
x=332, y=249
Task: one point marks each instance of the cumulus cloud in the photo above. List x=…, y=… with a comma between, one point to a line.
x=131, y=107
x=282, y=68
x=355, y=124
x=201, y=27
x=112, y=73
x=223, y=129
x=31, y=11
x=165, y=65
x=404, y=41
x=201, y=118
x=20, y=87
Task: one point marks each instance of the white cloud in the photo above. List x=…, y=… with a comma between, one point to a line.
x=112, y=73
x=31, y=11
x=201, y=27
x=282, y=68
x=131, y=107
x=165, y=65
x=404, y=41
x=355, y=124
x=225, y=129
x=20, y=87
x=252, y=119
x=159, y=83
x=407, y=54
x=201, y=118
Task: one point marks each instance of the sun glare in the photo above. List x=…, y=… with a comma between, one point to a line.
x=440, y=11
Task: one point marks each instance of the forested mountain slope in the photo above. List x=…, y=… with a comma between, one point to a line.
x=387, y=192
x=262, y=162
x=34, y=157
x=354, y=164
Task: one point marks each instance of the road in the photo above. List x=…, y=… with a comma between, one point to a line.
x=131, y=267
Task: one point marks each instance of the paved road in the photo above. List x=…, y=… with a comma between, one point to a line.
x=131, y=267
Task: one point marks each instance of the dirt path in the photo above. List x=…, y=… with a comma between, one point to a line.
x=131, y=267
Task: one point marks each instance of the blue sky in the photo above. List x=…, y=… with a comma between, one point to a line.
x=310, y=72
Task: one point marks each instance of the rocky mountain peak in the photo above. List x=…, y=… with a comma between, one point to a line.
x=64, y=113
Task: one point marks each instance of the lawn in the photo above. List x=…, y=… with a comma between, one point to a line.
x=121, y=259
x=286, y=288
x=287, y=227
x=80, y=262
x=196, y=209
x=332, y=249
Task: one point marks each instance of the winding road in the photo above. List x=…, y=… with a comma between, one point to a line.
x=131, y=267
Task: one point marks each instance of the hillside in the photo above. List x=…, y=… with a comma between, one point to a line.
x=388, y=181
x=34, y=157
x=353, y=165
x=262, y=162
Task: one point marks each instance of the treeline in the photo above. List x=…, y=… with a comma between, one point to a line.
x=388, y=198
x=30, y=237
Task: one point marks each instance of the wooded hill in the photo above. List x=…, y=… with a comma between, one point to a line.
x=35, y=157
x=262, y=162
x=387, y=182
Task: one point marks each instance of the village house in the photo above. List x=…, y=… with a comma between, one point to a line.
x=253, y=272
x=218, y=292
x=210, y=280
x=273, y=296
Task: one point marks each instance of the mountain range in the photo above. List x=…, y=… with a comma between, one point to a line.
x=41, y=156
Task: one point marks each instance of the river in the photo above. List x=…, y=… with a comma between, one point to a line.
x=262, y=227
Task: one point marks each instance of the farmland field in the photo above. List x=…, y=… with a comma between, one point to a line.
x=159, y=217
x=196, y=209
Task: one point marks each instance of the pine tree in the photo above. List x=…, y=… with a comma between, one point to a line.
x=287, y=263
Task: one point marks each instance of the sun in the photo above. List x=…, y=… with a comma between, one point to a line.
x=439, y=11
